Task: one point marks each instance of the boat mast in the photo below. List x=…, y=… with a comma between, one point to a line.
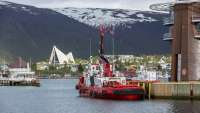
x=4, y=68
x=20, y=63
x=30, y=65
x=106, y=65
x=90, y=50
x=113, y=52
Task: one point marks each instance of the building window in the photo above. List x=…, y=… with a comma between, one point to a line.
x=198, y=27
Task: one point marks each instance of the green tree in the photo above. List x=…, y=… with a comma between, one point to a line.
x=80, y=68
x=52, y=69
x=34, y=67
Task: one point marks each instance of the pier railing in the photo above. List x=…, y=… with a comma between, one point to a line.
x=167, y=37
x=168, y=21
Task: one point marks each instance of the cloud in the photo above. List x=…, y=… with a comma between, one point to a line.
x=110, y=4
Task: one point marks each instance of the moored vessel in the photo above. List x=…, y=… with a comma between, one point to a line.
x=100, y=81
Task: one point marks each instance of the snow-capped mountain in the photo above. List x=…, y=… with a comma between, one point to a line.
x=107, y=17
x=95, y=16
x=31, y=32
x=3, y=3
x=17, y=7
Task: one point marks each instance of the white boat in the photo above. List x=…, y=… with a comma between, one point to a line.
x=22, y=74
x=21, y=71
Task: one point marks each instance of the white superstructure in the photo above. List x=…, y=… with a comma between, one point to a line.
x=19, y=74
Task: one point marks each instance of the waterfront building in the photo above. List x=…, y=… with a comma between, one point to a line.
x=184, y=33
x=41, y=66
x=151, y=73
x=164, y=64
x=124, y=58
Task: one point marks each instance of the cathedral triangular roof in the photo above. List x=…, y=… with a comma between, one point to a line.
x=58, y=57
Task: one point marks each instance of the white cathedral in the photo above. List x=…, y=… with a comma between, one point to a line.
x=58, y=57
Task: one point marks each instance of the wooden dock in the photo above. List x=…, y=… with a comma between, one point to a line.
x=18, y=82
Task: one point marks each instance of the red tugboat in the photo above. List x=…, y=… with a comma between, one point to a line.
x=99, y=81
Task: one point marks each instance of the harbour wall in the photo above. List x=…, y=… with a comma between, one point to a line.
x=174, y=90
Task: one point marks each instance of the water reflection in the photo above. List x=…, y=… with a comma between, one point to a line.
x=185, y=106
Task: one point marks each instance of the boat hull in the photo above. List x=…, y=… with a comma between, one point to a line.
x=130, y=93
x=122, y=97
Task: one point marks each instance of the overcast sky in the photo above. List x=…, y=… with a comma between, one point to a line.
x=112, y=4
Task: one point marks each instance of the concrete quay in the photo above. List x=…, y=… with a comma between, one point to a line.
x=175, y=90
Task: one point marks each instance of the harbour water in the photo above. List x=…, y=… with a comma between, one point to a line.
x=60, y=96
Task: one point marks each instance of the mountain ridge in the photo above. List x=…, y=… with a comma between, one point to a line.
x=29, y=31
